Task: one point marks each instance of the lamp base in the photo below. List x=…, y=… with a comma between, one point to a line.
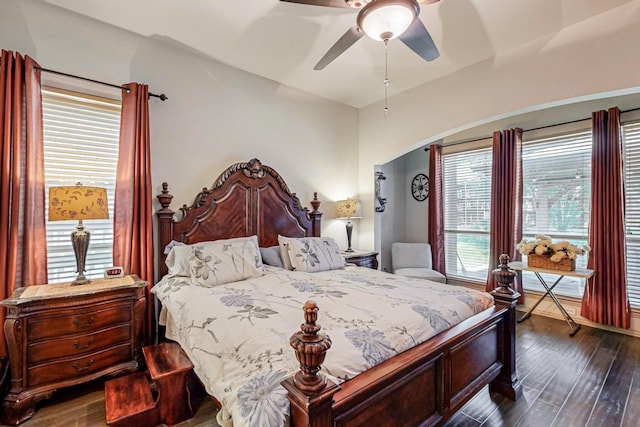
x=80, y=280
x=349, y=230
x=80, y=242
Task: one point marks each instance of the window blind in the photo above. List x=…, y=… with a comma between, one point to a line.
x=556, y=175
x=631, y=140
x=467, y=206
x=81, y=134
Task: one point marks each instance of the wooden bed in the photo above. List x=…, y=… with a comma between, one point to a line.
x=425, y=385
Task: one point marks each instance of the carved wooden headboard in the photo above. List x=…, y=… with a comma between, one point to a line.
x=246, y=199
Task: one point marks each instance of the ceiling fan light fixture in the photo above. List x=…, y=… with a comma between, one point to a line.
x=387, y=19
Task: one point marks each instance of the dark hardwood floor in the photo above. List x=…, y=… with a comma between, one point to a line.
x=592, y=379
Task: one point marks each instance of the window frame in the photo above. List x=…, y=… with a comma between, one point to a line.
x=77, y=127
x=632, y=206
x=578, y=137
x=485, y=151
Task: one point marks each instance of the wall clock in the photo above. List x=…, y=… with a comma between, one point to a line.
x=420, y=187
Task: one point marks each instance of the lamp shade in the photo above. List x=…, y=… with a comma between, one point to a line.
x=77, y=203
x=386, y=20
x=349, y=208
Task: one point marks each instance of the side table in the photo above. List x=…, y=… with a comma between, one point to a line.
x=578, y=272
x=61, y=335
x=362, y=258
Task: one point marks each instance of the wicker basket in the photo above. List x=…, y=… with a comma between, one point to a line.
x=544, y=261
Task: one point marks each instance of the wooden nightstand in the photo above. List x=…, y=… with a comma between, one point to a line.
x=61, y=335
x=362, y=258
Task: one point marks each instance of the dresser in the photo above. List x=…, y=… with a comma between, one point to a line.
x=362, y=258
x=61, y=335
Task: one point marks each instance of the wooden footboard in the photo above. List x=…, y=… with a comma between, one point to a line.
x=425, y=385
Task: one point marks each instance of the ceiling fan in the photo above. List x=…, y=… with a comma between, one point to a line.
x=381, y=20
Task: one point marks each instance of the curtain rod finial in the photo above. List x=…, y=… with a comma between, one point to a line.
x=162, y=96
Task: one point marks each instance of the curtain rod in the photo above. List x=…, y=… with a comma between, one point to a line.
x=526, y=130
x=162, y=96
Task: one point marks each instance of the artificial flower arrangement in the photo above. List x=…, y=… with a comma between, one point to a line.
x=544, y=246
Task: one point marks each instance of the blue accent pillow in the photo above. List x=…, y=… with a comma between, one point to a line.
x=271, y=256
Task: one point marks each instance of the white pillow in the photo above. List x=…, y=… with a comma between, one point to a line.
x=312, y=254
x=177, y=259
x=213, y=265
x=283, y=242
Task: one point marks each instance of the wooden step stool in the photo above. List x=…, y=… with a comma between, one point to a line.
x=172, y=371
x=128, y=402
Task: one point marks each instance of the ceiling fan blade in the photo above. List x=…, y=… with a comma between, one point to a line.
x=352, y=35
x=418, y=39
x=328, y=3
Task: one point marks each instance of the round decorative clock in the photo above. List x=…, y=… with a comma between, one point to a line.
x=420, y=187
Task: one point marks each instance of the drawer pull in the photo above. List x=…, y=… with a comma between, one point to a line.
x=84, y=368
x=77, y=345
x=76, y=322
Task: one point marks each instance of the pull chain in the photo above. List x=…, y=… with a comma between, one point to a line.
x=386, y=77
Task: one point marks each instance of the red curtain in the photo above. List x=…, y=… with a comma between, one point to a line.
x=506, y=202
x=133, y=234
x=436, y=209
x=23, y=252
x=605, y=297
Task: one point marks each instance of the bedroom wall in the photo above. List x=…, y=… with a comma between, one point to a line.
x=404, y=219
x=589, y=60
x=392, y=220
x=416, y=227
x=215, y=116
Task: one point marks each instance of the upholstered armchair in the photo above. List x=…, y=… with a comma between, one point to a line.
x=414, y=260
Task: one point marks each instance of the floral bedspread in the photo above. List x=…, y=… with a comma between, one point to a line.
x=237, y=335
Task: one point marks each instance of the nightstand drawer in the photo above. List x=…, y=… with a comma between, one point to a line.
x=78, y=344
x=77, y=323
x=71, y=368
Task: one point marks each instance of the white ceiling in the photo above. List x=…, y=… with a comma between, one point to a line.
x=283, y=41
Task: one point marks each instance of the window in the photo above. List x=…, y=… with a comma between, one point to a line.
x=81, y=135
x=556, y=202
x=467, y=205
x=631, y=141
x=556, y=176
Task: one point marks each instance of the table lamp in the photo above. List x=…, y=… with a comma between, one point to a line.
x=349, y=209
x=78, y=203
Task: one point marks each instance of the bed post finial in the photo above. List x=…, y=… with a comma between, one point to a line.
x=504, y=275
x=310, y=394
x=165, y=227
x=310, y=348
x=315, y=216
x=164, y=197
x=315, y=203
